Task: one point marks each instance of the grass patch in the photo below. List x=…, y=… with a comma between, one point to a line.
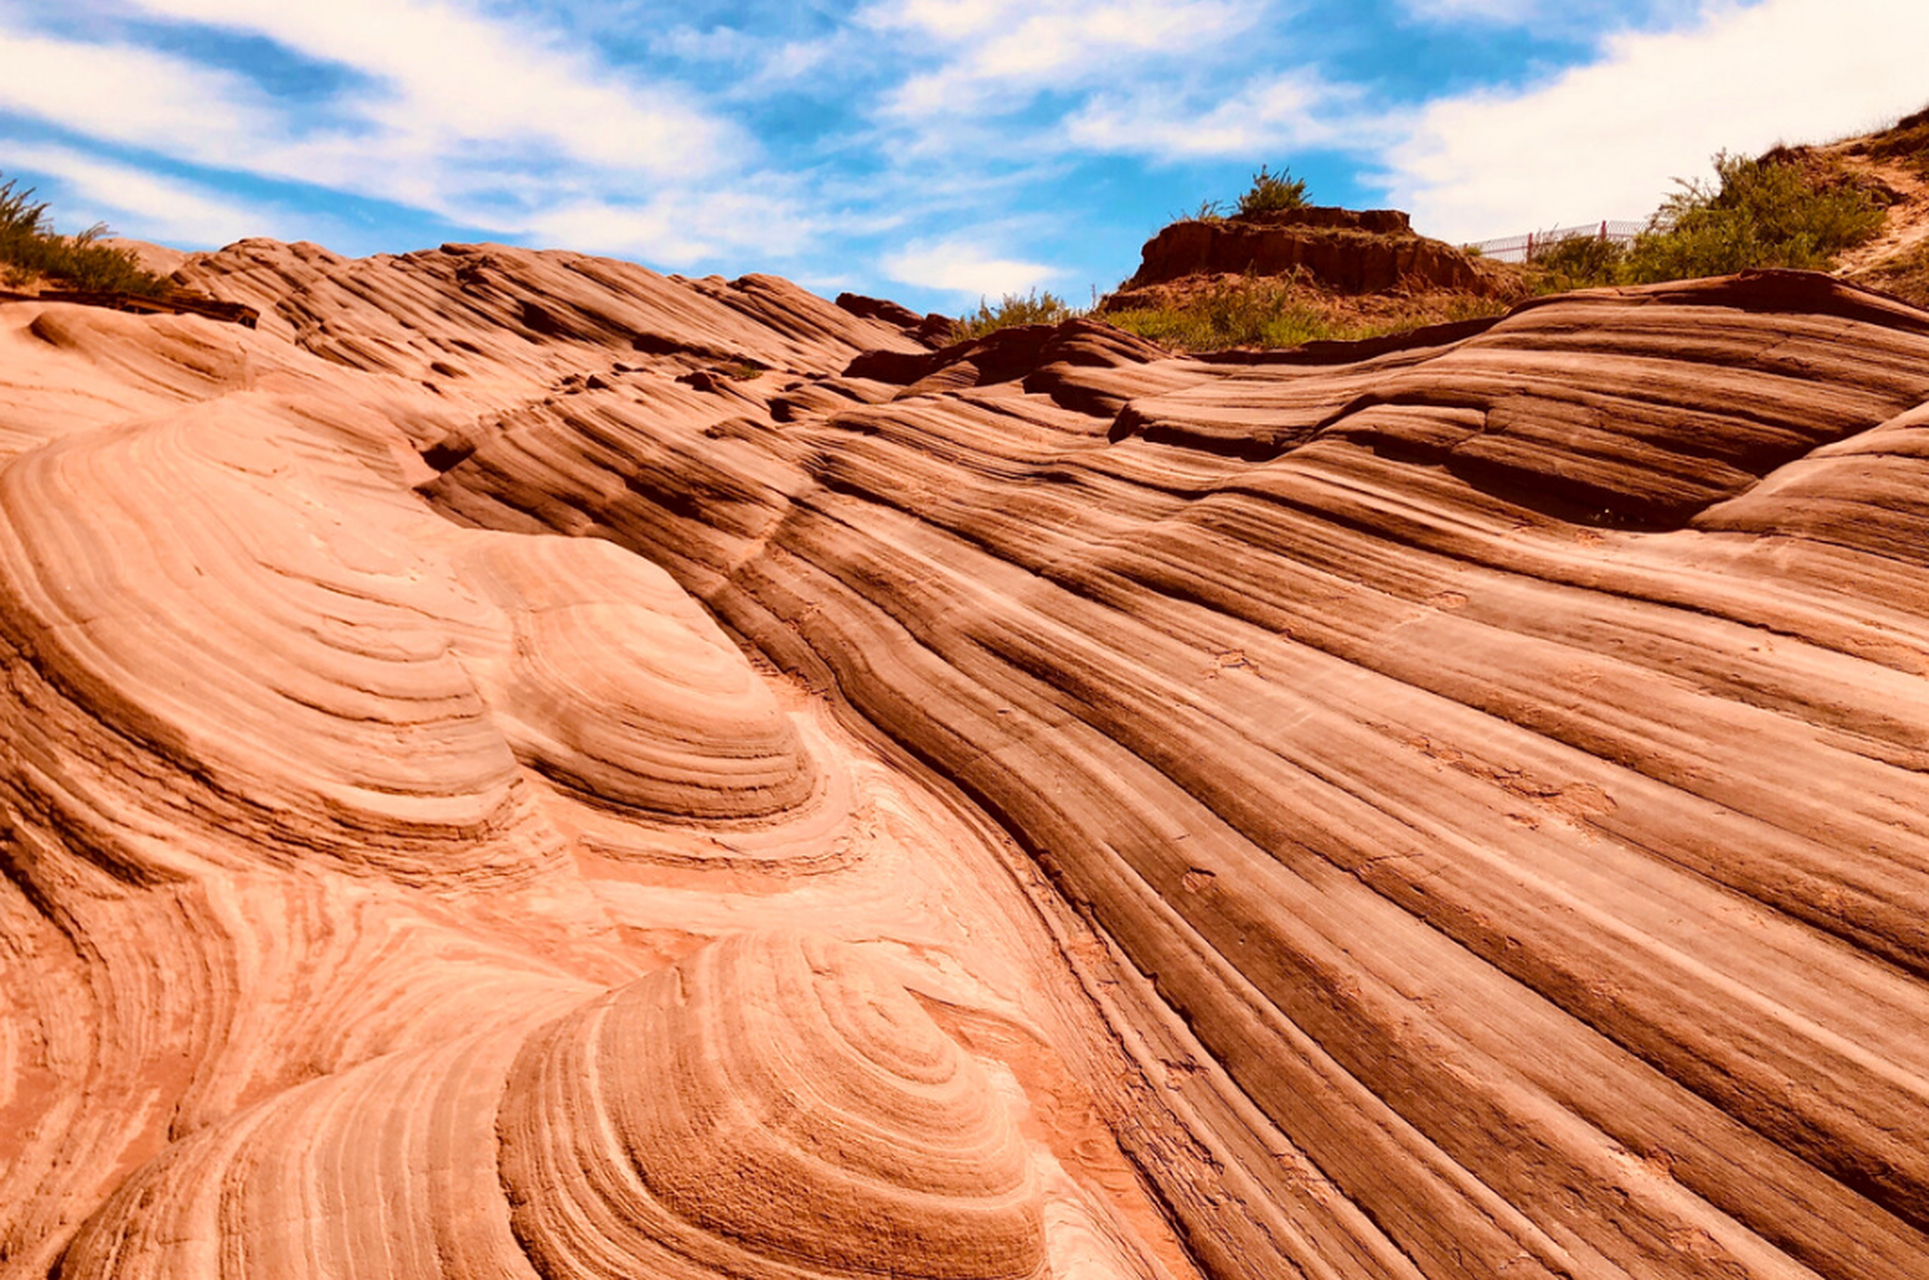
x=1010, y=310
x=31, y=249
x=1208, y=211
x=1906, y=139
x=1268, y=312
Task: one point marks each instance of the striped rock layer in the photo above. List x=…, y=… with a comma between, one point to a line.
x=522, y=766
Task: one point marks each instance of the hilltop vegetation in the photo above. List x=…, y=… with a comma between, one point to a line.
x=1859, y=207
x=31, y=250
x=1269, y=309
x=1763, y=212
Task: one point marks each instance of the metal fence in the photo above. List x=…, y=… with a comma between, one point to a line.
x=1523, y=248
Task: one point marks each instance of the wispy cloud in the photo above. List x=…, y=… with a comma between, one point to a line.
x=449, y=75
x=680, y=228
x=126, y=94
x=996, y=55
x=1270, y=115
x=448, y=111
x=122, y=195
x=965, y=267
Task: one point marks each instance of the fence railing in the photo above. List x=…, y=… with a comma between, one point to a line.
x=1523, y=248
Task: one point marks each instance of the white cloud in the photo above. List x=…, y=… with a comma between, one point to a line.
x=1604, y=140
x=1294, y=110
x=129, y=95
x=679, y=229
x=961, y=266
x=945, y=19
x=449, y=74
x=996, y=55
x=141, y=203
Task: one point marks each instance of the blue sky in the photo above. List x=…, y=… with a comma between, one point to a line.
x=927, y=150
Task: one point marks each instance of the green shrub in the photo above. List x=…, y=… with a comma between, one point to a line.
x=30, y=247
x=1245, y=313
x=1013, y=309
x=1272, y=192
x=1577, y=262
x=1757, y=214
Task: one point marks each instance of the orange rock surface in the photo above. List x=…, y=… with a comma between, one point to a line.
x=521, y=766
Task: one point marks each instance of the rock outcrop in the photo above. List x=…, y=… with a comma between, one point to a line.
x=521, y=766
x=1346, y=250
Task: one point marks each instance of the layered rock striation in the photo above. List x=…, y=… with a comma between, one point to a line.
x=772, y=1105
x=522, y=766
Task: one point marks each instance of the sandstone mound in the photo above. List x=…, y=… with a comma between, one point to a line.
x=1345, y=250
x=1445, y=808
x=616, y=687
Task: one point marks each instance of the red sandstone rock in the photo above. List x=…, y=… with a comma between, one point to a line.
x=1446, y=808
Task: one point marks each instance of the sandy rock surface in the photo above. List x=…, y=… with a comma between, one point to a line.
x=521, y=766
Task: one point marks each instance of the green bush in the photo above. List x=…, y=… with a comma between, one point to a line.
x=1757, y=214
x=1013, y=309
x=30, y=247
x=1577, y=262
x=1272, y=192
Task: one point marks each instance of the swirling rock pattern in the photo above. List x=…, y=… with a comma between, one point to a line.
x=318, y=806
x=1444, y=768
x=620, y=688
x=770, y=1106
x=774, y=1105
x=1449, y=807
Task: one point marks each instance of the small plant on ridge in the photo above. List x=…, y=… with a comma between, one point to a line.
x=1272, y=192
x=30, y=247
